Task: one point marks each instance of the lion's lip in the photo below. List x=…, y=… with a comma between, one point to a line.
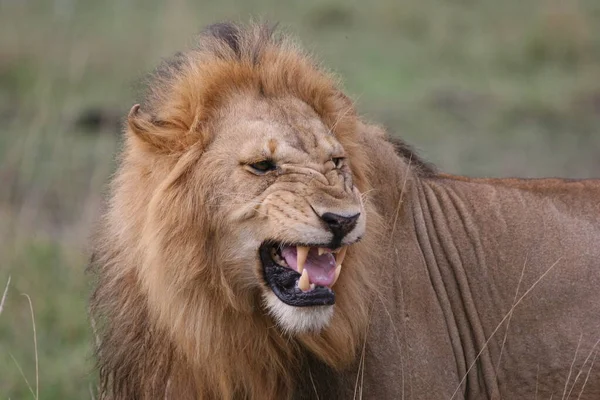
x=296, y=282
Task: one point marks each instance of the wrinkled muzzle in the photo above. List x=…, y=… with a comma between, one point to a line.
x=310, y=229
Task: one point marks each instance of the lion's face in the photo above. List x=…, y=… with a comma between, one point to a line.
x=282, y=185
x=238, y=205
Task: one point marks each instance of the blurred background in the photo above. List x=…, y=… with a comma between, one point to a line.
x=480, y=87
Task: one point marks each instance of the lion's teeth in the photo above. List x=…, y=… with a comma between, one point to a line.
x=321, y=251
x=338, y=269
x=301, y=254
x=339, y=257
x=312, y=286
x=277, y=258
x=304, y=282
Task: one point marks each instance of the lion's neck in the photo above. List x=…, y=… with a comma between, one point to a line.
x=249, y=358
x=481, y=242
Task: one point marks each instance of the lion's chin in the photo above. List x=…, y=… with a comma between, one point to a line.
x=300, y=302
x=297, y=320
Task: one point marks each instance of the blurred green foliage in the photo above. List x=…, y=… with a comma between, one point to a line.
x=483, y=87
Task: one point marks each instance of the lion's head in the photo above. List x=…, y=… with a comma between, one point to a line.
x=239, y=204
x=289, y=208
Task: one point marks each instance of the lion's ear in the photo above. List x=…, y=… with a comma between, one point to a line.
x=148, y=133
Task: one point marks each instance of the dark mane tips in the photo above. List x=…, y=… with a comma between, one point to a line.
x=226, y=32
x=409, y=154
x=246, y=42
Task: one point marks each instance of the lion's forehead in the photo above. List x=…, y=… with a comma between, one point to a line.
x=283, y=128
x=257, y=138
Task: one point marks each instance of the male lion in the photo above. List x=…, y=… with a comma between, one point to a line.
x=263, y=242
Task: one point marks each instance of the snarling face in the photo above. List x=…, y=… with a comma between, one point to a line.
x=290, y=203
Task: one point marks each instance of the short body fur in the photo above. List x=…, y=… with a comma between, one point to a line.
x=182, y=311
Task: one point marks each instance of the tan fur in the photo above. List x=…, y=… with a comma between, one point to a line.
x=175, y=292
x=180, y=300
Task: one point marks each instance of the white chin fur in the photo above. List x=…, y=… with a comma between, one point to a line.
x=295, y=320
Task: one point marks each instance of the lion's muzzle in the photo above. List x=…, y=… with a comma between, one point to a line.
x=339, y=226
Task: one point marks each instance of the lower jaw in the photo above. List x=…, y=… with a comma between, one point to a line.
x=282, y=281
x=298, y=320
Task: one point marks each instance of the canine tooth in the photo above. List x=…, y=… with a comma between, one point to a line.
x=339, y=259
x=312, y=286
x=301, y=254
x=321, y=251
x=338, y=269
x=304, y=282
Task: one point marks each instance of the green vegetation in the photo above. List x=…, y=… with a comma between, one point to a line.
x=483, y=87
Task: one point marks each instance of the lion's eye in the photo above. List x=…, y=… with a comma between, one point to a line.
x=338, y=162
x=262, y=167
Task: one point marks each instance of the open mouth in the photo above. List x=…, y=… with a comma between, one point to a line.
x=302, y=275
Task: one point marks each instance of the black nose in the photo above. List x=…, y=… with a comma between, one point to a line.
x=339, y=225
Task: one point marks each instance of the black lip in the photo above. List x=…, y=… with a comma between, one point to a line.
x=283, y=282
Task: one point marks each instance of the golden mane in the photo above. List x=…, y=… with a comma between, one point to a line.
x=192, y=330
x=182, y=303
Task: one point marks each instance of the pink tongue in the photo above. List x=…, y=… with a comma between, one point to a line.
x=321, y=268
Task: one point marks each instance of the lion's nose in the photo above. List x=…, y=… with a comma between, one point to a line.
x=340, y=225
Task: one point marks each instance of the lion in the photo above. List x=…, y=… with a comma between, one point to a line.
x=264, y=241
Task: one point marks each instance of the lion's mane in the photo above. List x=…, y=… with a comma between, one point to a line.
x=172, y=318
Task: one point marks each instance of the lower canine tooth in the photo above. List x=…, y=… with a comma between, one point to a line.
x=304, y=282
x=338, y=269
x=301, y=254
x=312, y=286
